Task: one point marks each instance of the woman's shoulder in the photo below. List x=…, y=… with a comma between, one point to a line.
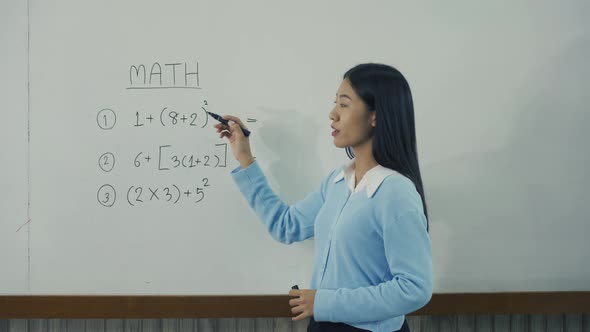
x=399, y=191
x=398, y=182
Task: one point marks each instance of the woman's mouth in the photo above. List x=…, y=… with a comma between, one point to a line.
x=335, y=132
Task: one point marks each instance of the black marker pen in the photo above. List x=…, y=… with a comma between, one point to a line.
x=225, y=122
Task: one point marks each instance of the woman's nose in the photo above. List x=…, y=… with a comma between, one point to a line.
x=331, y=115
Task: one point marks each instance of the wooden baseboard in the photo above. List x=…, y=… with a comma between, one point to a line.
x=274, y=306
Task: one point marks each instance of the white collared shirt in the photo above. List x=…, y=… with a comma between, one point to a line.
x=371, y=180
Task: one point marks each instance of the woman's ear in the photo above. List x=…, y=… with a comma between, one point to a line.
x=374, y=119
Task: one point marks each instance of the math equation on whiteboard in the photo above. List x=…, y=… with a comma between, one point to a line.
x=160, y=160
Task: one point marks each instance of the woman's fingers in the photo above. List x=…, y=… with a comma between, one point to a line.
x=300, y=317
x=235, y=119
x=220, y=127
x=235, y=129
x=232, y=130
x=296, y=310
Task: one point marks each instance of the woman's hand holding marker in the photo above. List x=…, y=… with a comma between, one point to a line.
x=240, y=144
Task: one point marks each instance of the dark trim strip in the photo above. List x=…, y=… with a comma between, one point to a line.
x=273, y=306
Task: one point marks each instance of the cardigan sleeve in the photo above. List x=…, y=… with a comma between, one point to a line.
x=285, y=223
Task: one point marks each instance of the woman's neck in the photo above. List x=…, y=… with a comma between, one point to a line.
x=363, y=160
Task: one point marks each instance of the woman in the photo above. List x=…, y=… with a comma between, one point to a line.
x=373, y=260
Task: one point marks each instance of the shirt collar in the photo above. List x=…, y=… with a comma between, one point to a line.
x=371, y=180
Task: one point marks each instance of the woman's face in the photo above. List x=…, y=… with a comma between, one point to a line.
x=352, y=123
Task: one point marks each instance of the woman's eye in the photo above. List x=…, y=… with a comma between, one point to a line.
x=341, y=105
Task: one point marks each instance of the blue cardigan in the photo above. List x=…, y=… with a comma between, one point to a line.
x=373, y=258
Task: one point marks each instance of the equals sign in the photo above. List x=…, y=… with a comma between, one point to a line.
x=251, y=120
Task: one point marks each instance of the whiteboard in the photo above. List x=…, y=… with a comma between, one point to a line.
x=501, y=122
x=14, y=232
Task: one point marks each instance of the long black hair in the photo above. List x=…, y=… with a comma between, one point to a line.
x=385, y=90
